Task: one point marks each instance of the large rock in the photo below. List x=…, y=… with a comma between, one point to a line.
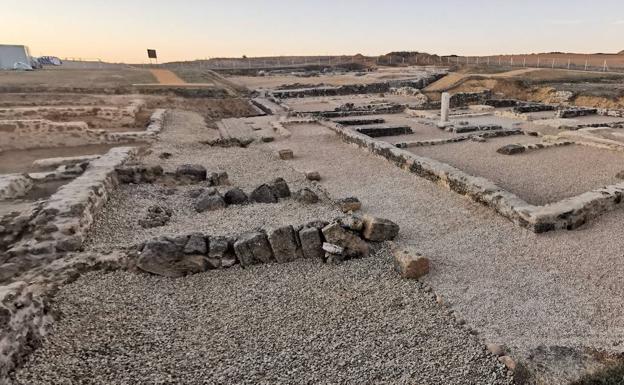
x=305, y=195
x=620, y=175
x=209, y=202
x=235, y=196
x=285, y=154
x=219, y=178
x=253, y=248
x=263, y=194
x=164, y=257
x=379, y=229
x=196, y=244
x=313, y=175
x=156, y=216
x=194, y=172
x=280, y=188
x=221, y=253
x=353, y=245
x=410, y=264
x=511, y=149
x=311, y=243
x=284, y=243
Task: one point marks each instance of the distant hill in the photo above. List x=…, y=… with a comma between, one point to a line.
x=621, y=53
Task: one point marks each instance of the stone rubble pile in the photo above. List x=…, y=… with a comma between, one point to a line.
x=156, y=216
x=343, y=239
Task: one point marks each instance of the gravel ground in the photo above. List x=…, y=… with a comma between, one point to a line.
x=297, y=323
x=516, y=287
x=117, y=224
x=539, y=177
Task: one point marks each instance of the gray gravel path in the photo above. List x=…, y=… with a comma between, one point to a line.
x=516, y=287
x=296, y=323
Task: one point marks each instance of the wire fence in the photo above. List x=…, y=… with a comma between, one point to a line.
x=596, y=62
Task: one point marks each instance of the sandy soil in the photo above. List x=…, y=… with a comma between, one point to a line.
x=166, y=77
x=274, y=81
x=68, y=78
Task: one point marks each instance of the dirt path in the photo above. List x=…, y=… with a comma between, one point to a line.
x=454, y=79
x=166, y=77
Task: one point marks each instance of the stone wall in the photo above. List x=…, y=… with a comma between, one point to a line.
x=378, y=131
x=61, y=224
x=39, y=133
x=566, y=214
x=14, y=185
x=351, y=89
x=121, y=115
x=462, y=99
x=330, y=242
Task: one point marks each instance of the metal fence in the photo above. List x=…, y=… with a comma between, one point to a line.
x=596, y=62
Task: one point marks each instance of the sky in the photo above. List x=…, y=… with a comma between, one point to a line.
x=122, y=30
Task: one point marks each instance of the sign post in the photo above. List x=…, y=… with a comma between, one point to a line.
x=151, y=54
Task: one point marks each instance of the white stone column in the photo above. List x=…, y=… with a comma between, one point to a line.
x=444, y=111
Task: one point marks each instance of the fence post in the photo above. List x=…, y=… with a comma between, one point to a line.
x=568, y=63
x=585, y=64
x=538, y=62
x=553, y=64
x=524, y=62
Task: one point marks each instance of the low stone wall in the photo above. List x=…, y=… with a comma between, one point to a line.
x=533, y=107
x=60, y=225
x=462, y=99
x=460, y=138
x=331, y=242
x=574, y=112
x=24, y=320
x=360, y=121
x=351, y=89
x=26, y=134
x=610, y=112
x=566, y=214
x=501, y=103
x=25, y=316
x=378, y=131
x=121, y=115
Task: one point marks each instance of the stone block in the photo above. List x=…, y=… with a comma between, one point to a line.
x=285, y=154
x=353, y=245
x=194, y=172
x=511, y=149
x=313, y=175
x=263, y=194
x=280, y=188
x=410, y=264
x=379, y=229
x=311, y=243
x=235, y=196
x=253, y=248
x=305, y=195
x=209, y=202
x=284, y=243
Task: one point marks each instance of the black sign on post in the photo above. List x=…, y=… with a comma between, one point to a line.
x=151, y=54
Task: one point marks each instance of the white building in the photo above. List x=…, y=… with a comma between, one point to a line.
x=11, y=54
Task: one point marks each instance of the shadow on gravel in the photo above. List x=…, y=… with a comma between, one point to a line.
x=560, y=365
